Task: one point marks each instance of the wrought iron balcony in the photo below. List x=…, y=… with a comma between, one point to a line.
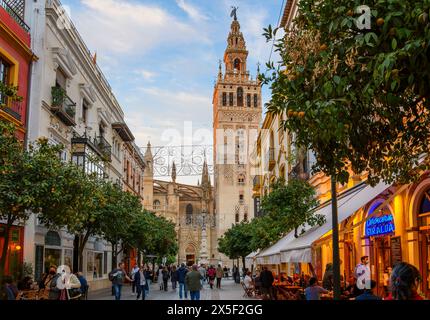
x=256, y=183
x=11, y=107
x=104, y=147
x=99, y=145
x=62, y=106
x=271, y=158
x=16, y=11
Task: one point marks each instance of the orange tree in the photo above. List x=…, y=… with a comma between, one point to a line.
x=30, y=181
x=356, y=95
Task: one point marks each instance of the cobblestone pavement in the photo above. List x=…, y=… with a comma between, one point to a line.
x=229, y=291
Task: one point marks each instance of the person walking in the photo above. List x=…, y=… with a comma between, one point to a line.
x=148, y=277
x=182, y=272
x=202, y=272
x=211, y=276
x=192, y=279
x=133, y=284
x=166, y=276
x=266, y=278
x=313, y=292
x=117, y=277
x=219, y=273
x=173, y=277
x=140, y=282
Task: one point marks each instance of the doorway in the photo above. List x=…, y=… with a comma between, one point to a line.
x=380, y=255
x=191, y=258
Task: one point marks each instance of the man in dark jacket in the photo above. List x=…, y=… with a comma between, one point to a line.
x=117, y=276
x=181, y=273
x=192, y=279
x=266, y=278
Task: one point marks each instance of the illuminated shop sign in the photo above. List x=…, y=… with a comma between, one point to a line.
x=380, y=225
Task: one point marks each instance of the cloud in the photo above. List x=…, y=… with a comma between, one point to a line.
x=192, y=11
x=145, y=74
x=127, y=27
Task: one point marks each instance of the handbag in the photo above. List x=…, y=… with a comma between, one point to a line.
x=74, y=293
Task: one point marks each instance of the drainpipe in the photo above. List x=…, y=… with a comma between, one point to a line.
x=27, y=113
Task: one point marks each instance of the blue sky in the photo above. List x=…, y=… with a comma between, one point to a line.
x=161, y=57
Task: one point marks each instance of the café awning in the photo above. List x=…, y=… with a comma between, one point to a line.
x=271, y=255
x=299, y=250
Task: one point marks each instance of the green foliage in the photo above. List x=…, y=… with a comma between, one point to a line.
x=291, y=205
x=10, y=92
x=286, y=208
x=358, y=98
x=236, y=242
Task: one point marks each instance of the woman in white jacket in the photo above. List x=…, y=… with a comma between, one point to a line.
x=68, y=283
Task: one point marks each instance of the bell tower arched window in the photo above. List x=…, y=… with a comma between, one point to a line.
x=248, y=100
x=236, y=64
x=240, y=97
x=224, y=99
x=230, y=98
x=255, y=100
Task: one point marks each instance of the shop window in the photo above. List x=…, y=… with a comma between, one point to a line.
x=90, y=263
x=98, y=265
x=68, y=257
x=105, y=264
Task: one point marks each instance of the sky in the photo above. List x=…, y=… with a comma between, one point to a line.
x=161, y=58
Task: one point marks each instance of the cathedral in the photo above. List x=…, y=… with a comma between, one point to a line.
x=202, y=213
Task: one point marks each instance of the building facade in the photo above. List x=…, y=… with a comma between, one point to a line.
x=189, y=207
x=236, y=115
x=72, y=104
x=16, y=58
x=387, y=223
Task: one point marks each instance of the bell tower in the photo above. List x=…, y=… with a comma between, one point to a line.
x=236, y=114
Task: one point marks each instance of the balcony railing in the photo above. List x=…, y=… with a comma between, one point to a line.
x=256, y=183
x=63, y=106
x=104, y=147
x=99, y=145
x=11, y=107
x=271, y=158
x=14, y=8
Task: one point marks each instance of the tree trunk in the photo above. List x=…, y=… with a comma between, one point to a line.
x=243, y=262
x=4, y=250
x=82, y=243
x=114, y=255
x=335, y=228
x=76, y=254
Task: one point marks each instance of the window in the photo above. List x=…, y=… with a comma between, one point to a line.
x=237, y=218
x=255, y=100
x=248, y=100
x=90, y=263
x=189, y=213
x=230, y=98
x=84, y=111
x=240, y=97
x=236, y=64
x=241, y=179
x=241, y=198
x=224, y=99
x=52, y=238
x=245, y=217
x=61, y=79
x=68, y=257
x=4, y=74
x=98, y=265
x=157, y=205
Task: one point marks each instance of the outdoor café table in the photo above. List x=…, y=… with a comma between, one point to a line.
x=28, y=295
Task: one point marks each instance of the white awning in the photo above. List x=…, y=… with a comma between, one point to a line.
x=299, y=250
x=271, y=255
x=251, y=256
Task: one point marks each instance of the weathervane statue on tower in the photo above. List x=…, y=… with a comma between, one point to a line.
x=234, y=12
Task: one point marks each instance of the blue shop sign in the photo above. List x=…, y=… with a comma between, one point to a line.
x=380, y=225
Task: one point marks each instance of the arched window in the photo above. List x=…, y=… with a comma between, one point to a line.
x=255, y=100
x=241, y=179
x=52, y=238
x=157, y=205
x=240, y=96
x=230, y=96
x=248, y=100
x=236, y=64
x=189, y=213
x=237, y=218
x=224, y=99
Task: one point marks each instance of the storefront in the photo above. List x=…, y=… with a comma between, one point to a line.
x=14, y=258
